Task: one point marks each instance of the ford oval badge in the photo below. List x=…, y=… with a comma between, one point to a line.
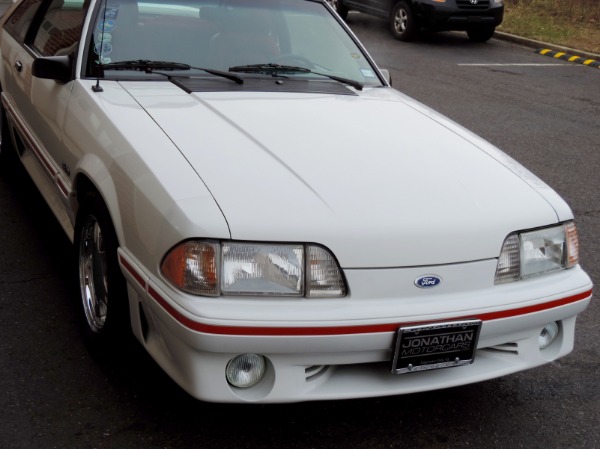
x=428, y=281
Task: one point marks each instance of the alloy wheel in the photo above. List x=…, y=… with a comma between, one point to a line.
x=93, y=276
x=401, y=20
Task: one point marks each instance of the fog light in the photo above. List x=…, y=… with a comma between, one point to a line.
x=548, y=335
x=245, y=370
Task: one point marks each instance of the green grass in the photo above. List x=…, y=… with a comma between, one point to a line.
x=569, y=23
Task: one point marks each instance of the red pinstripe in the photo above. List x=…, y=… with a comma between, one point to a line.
x=337, y=330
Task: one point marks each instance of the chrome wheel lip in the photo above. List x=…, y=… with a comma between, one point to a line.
x=93, y=276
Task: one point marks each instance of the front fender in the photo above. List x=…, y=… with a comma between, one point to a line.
x=92, y=169
x=153, y=194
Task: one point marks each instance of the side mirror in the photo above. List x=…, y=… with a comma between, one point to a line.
x=386, y=75
x=58, y=68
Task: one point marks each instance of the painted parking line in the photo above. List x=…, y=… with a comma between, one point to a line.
x=514, y=64
x=567, y=57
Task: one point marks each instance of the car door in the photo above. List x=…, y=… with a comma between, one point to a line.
x=379, y=8
x=37, y=107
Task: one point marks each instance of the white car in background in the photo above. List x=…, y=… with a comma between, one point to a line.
x=271, y=219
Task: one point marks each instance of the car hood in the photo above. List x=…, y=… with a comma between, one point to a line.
x=377, y=178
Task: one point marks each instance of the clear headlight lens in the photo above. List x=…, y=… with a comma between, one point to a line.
x=253, y=269
x=257, y=269
x=537, y=252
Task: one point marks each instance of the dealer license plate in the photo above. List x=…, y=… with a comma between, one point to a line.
x=435, y=346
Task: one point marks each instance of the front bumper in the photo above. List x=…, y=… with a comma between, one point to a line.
x=340, y=355
x=459, y=15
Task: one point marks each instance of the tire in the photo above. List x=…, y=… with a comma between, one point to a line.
x=403, y=23
x=480, y=34
x=339, y=8
x=100, y=289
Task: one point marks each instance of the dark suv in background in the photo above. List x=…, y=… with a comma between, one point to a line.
x=479, y=18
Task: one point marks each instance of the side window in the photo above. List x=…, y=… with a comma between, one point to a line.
x=60, y=28
x=18, y=23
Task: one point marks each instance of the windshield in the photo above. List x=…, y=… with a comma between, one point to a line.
x=225, y=34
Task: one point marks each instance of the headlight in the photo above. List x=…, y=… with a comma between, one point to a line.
x=229, y=268
x=533, y=253
x=262, y=269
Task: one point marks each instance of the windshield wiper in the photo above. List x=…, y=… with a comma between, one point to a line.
x=269, y=69
x=277, y=69
x=148, y=66
x=145, y=65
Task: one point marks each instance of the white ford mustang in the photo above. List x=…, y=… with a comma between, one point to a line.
x=273, y=221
